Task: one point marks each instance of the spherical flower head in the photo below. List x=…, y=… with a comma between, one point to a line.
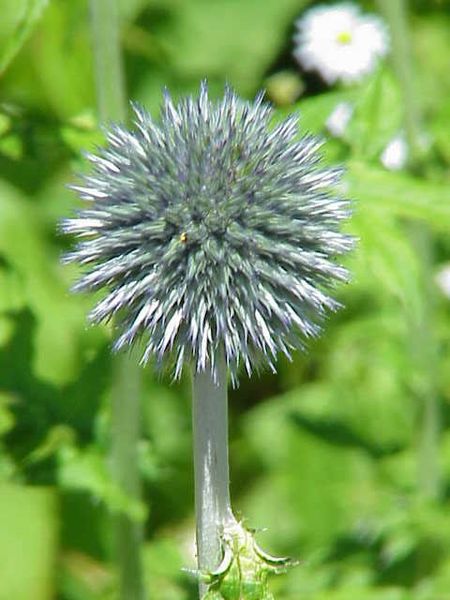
x=340, y=43
x=211, y=230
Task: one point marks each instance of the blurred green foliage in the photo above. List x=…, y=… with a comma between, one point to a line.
x=325, y=454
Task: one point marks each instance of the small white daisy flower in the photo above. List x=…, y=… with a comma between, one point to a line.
x=339, y=119
x=442, y=279
x=339, y=42
x=395, y=155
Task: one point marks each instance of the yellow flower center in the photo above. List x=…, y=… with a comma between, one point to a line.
x=344, y=37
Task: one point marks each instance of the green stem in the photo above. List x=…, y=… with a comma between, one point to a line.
x=423, y=344
x=396, y=14
x=210, y=434
x=108, y=70
x=126, y=394
x=425, y=357
x=125, y=433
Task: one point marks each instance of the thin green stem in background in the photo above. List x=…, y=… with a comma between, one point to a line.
x=125, y=433
x=423, y=343
x=212, y=494
x=126, y=393
x=425, y=356
x=108, y=72
x=396, y=14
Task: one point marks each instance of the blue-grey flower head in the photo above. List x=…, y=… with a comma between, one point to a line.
x=211, y=229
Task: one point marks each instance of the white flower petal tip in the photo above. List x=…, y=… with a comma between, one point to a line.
x=442, y=279
x=339, y=119
x=395, y=156
x=340, y=43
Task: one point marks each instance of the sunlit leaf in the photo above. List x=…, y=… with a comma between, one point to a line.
x=86, y=470
x=29, y=526
x=34, y=263
x=17, y=22
x=401, y=194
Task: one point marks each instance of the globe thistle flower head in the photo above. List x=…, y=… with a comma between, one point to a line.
x=339, y=42
x=210, y=230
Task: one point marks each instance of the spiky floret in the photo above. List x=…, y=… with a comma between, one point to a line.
x=211, y=229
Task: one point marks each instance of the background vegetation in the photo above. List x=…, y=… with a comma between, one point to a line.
x=345, y=454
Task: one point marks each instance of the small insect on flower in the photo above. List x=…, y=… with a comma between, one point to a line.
x=212, y=228
x=339, y=42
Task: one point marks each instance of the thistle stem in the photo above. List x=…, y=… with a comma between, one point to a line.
x=212, y=492
x=423, y=344
x=125, y=402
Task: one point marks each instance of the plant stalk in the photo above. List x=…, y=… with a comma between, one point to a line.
x=126, y=392
x=108, y=71
x=210, y=440
x=125, y=434
x=423, y=343
x=396, y=14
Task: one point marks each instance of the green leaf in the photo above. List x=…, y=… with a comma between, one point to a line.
x=17, y=22
x=12, y=295
x=7, y=420
x=87, y=470
x=315, y=110
x=438, y=128
x=378, y=115
x=235, y=40
x=37, y=280
x=28, y=543
x=82, y=577
x=8, y=468
x=164, y=557
x=376, y=118
x=54, y=73
x=431, y=43
x=57, y=438
x=308, y=482
x=400, y=194
x=385, y=263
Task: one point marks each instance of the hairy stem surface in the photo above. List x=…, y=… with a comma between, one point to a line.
x=212, y=494
x=125, y=405
x=423, y=344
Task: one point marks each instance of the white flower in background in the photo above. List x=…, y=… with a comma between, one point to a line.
x=339, y=118
x=442, y=279
x=395, y=155
x=339, y=42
